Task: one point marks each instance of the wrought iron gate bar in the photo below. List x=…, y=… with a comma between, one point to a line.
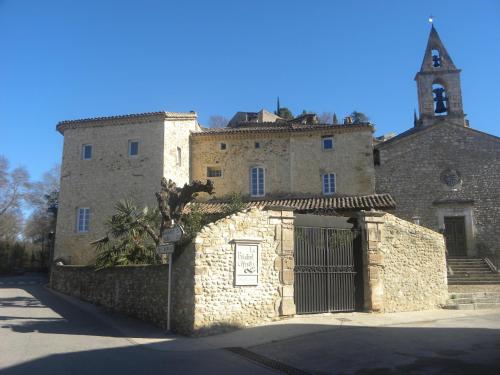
x=324, y=269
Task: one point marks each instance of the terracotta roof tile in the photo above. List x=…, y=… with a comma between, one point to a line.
x=337, y=203
x=278, y=127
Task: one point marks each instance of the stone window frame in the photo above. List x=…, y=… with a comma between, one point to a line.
x=263, y=181
x=87, y=146
x=257, y=145
x=325, y=138
x=223, y=146
x=82, y=219
x=129, y=153
x=329, y=183
x=216, y=167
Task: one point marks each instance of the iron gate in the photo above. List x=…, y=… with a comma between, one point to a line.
x=326, y=260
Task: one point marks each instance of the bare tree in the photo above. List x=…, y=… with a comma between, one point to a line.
x=11, y=225
x=14, y=186
x=325, y=118
x=217, y=121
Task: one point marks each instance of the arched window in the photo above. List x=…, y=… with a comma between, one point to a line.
x=440, y=99
x=436, y=58
x=257, y=182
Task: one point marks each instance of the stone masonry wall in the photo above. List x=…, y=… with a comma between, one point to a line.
x=138, y=291
x=411, y=171
x=293, y=162
x=112, y=175
x=219, y=303
x=404, y=265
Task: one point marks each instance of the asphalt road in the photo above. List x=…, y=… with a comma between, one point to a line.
x=41, y=333
x=462, y=345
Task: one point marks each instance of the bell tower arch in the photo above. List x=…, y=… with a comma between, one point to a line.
x=438, y=86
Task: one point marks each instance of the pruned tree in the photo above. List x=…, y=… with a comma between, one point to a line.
x=14, y=186
x=325, y=118
x=217, y=121
x=134, y=234
x=358, y=117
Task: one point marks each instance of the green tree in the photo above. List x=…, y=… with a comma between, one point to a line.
x=131, y=238
x=285, y=113
x=358, y=117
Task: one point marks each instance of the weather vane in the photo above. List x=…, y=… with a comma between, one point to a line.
x=431, y=19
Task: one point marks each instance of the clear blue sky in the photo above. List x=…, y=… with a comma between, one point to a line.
x=74, y=59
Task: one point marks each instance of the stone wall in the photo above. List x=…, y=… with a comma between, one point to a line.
x=412, y=168
x=293, y=161
x=405, y=265
x=138, y=291
x=219, y=303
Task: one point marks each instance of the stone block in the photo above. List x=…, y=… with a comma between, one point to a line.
x=287, y=307
x=287, y=277
x=287, y=291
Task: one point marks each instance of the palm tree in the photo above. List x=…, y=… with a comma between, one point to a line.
x=131, y=238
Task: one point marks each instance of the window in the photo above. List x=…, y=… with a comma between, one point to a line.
x=214, y=172
x=327, y=143
x=257, y=182
x=87, y=152
x=436, y=58
x=223, y=146
x=329, y=183
x=179, y=156
x=257, y=144
x=133, y=148
x=82, y=219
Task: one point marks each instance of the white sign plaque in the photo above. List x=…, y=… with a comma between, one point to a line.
x=246, y=264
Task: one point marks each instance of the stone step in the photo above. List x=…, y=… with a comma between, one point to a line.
x=478, y=276
x=465, y=273
x=472, y=265
x=454, y=295
x=459, y=301
x=473, y=306
x=473, y=282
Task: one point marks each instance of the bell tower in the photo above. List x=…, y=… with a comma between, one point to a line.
x=438, y=86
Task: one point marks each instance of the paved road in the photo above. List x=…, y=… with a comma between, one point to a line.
x=461, y=345
x=41, y=333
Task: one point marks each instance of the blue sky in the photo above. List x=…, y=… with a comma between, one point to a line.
x=74, y=59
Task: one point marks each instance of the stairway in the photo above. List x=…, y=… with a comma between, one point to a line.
x=473, y=301
x=471, y=271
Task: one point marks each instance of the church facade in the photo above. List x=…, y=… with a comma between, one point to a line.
x=443, y=173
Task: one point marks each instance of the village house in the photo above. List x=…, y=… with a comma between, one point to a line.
x=443, y=173
x=320, y=167
x=315, y=233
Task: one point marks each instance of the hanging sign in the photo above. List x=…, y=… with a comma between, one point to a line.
x=173, y=234
x=246, y=264
x=166, y=248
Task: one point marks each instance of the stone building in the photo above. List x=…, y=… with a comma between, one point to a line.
x=110, y=159
x=320, y=168
x=442, y=172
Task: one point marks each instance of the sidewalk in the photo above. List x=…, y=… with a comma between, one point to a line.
x=141, y=333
